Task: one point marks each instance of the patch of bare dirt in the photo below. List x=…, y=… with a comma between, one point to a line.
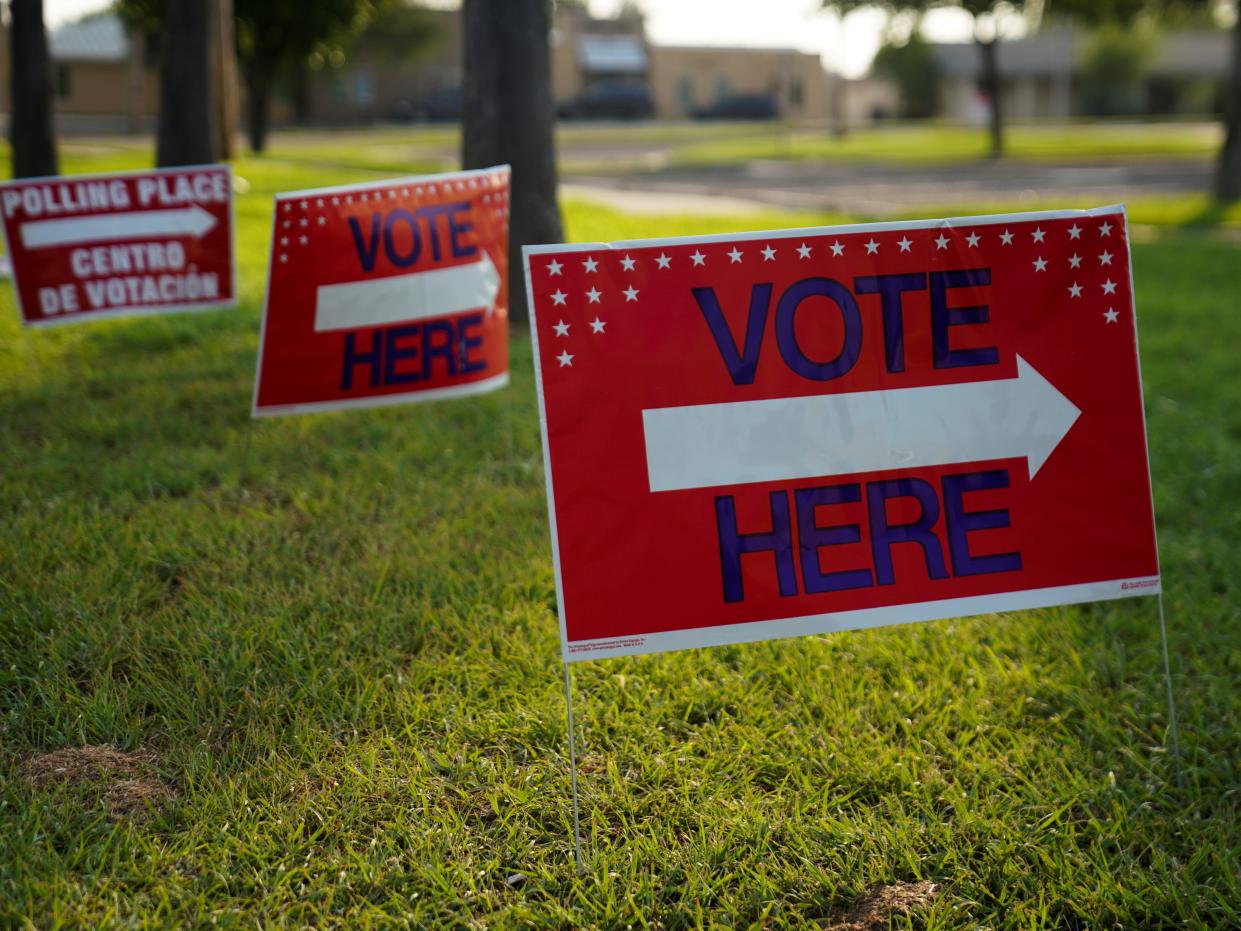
x=135, y=796
x=876, y=907
x=125, y=782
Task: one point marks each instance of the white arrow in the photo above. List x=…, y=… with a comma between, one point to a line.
x=868, y=431
x=109, y=227
x=412, y=296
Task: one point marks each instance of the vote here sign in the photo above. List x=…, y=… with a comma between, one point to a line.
x=767, y=435
x=386, y=293
x=92, y=246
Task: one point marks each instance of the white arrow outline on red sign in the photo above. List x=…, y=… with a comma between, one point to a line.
x=110, y=227
x=412, y=296
x=735, y=443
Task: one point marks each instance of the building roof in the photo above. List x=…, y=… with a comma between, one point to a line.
x=1057, y=51
x=96, y=38
x=612, y=54
x=1198, y=53
x=1052, y=51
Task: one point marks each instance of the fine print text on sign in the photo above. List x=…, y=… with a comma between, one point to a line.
x=768, y=435
x=386, y=293
x=91, y=246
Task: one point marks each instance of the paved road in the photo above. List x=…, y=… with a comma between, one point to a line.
x=876, y=189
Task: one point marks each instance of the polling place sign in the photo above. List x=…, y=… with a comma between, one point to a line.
x=91, y=246
x=386, y=293
x=773, y=434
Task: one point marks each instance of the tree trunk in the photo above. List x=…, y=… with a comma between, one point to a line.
x=30, y=90
x=258, y=90
x=990, y=76
x=223, y=77
x=1228, y=172
x=509, y=117
x=186, y=133
x=301, y=94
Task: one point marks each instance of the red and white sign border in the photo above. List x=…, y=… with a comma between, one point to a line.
x=222, y=304
x=493, y=383
x=834, y=622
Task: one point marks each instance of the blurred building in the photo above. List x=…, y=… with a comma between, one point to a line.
x=1041, y=76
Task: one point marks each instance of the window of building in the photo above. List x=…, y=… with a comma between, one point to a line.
x=685, y=91
x=63, y=80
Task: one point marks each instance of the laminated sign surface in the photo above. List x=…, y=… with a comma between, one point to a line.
x=767, y=435
x=91, y=246
x=386, y=293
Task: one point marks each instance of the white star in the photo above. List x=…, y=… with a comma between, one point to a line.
x=288, y=207
x=1075, y=232
x=1075, y=261
x=392, y=194
x=631, y=293
x=698, y=257
x=1105, y=229
x=302, y=240
x=1075, y=290
x=558, y=297
x=322, y=221
x=284, y=240
x=941, y=242
x=1040, y=264
x=284, y=225
x=768, y=253
x=1006, y=238
x=303, y=205
x=662, y=260
x=593, y=294
x=319, y=202
x=1109, y=287
x=303, y=223
x=627, y=263
x=904, y=242
x=590, y=264
x=348, y=198
x=283, y=257
x=1038, y=235
x=335, y=201
x=872, y=247
x=1110, y=315
x=803, y=251
x=837, y=248
x=561, y=328
x=972, y=239
x=1105, y=258
x=362, y=197
x=564, y=359
x=734, y=256
x=597, y=325
x=553, y=267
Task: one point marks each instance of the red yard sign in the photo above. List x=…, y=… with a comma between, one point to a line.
x=386, y=293
x=766, y=435
x=91, y=246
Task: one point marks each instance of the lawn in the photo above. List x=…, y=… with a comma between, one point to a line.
x=327, y=648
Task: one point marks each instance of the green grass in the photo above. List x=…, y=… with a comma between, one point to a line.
x=930, y=142
x=337, y=634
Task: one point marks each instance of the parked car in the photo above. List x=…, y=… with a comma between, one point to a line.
x=440, y=106
x=740, y=107
x=618, y=99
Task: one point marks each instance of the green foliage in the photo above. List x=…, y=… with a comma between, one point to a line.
x=912, y=67
x=395, y=33
x=337, y=635
x=1112, y=69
